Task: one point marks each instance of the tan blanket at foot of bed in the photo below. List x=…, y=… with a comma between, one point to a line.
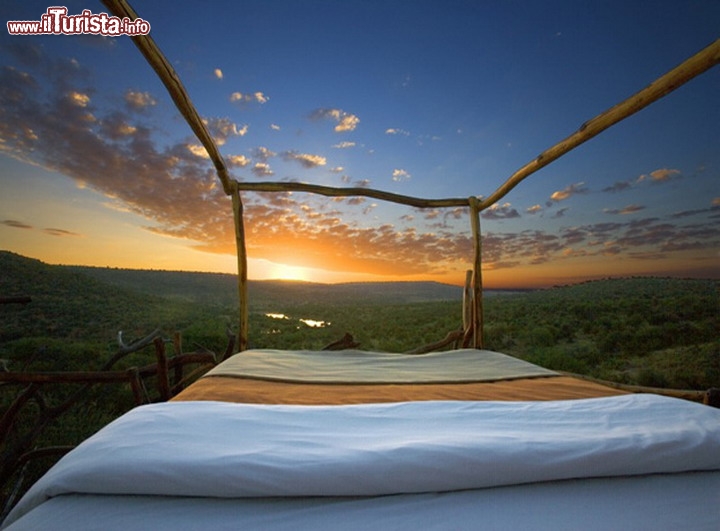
x=247, y=390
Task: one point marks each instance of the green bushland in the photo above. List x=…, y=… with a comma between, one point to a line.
x=645, y=331
x=629, y=330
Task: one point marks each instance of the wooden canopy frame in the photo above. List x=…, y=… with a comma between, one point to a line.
x=678, y=76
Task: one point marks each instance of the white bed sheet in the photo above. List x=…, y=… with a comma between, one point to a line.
x=219, y=451
x=658, y=502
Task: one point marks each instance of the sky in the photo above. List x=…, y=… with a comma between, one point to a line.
x=429, y=98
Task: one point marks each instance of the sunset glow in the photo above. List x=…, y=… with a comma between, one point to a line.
x=431, y=99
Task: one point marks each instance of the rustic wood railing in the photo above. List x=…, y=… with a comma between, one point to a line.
x=17, y=449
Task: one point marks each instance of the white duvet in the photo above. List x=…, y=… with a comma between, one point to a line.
x=222, y=450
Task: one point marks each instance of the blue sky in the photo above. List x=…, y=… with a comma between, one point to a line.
x=425, y=98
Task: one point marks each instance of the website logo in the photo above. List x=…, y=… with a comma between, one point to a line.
x=56, y=21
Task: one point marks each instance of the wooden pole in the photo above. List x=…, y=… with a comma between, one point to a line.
x=477, y=273
x=468, y=301
x=157, y=60
x=162, y=370
x=242, y=270
x=330, y=191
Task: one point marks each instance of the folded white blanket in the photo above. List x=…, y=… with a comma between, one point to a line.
x=360, y=366
x=215, y=449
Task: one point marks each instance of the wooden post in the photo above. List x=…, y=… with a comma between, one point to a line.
x=135, y=385
x=177, y=347
x=467, y=301
x=242, y=270
x=162, y=370
x=477, y=315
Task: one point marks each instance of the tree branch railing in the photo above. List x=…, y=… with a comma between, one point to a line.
x=17, y=449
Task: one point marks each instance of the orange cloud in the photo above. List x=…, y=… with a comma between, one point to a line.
x=571, y=190
x=660, y=175
x=304, y=159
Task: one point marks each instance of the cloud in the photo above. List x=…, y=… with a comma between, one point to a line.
x=660, y=176
x=198, y=150
x=146, y=172
x=262, y=169
x=275, y=127
x=533, y=209
x=639, y=239
x=116, y=127
x=498, y=211
x=657, y=176
x=139, y=100
x=715, y=209
x=306, y=160
x=399, y=175
x=393, y=131
x=78, y=98
x=344, y=145
x=218, y=73
x=165, y=183
x=237, y=160
x=60, y=232
x=345, y=121
x=618, y=186
x=456, y=213
x=223, y=128
x=320, y=234
x=573, y=189
x=176, y=190
x=50, y=231
x=630, y=209
x=255, y=97
x=262, y=153
x=16, y=224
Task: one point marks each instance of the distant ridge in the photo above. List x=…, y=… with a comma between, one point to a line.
x=221, y=288
x=216, y=288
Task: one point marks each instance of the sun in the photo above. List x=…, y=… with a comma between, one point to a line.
x=288, y=272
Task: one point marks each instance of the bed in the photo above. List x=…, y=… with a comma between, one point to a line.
x=464, y=439
x=328, y=440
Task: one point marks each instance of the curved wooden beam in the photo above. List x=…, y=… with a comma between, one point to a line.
x=331, y=191
x=174, y=86
x=681, y=74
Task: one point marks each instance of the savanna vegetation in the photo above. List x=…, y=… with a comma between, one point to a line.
x=646, y=331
